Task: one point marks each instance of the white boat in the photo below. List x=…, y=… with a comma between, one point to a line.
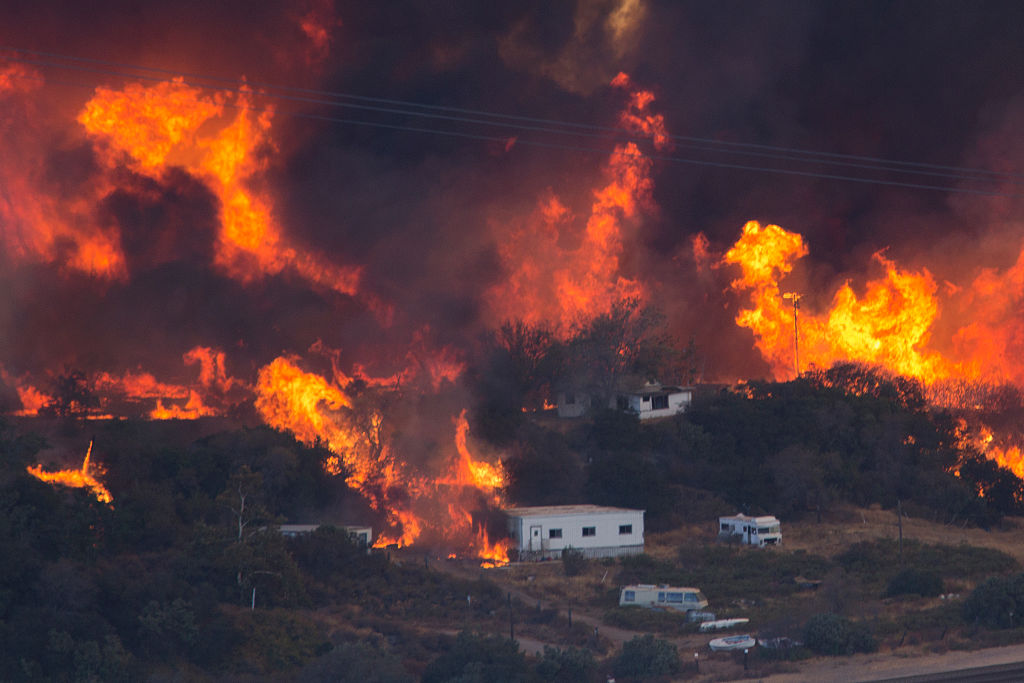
x=719, y=624
x=741, y=642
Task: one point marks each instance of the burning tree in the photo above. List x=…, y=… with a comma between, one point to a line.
x=72, y=395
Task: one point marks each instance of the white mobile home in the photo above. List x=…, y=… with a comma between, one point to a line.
x=758, y=531
x=541, y=533
x=662, y=597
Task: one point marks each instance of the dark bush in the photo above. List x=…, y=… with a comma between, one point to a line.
x=571, y=664
x=478, y=657
x=913, y=581
x=574, y=562
x=647, y=656
x=998, y=602
x=831, y=634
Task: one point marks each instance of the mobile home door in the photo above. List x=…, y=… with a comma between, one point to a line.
x=535, y=538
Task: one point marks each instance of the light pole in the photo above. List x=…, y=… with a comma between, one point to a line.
x=795, y=298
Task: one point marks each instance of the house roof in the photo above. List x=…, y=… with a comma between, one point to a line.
x=564, y=510
x=656, y=391
x=761, y=519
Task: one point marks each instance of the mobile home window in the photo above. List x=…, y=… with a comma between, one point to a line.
x=554, y=533
x=675, y=597
x=570, y=399
x=630, y=596
x=590, y=531
x=647, y=398
x=625, y=529
x=659, y=403
x=661, y=597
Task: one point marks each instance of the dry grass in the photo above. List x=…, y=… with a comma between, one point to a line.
x=845, y=526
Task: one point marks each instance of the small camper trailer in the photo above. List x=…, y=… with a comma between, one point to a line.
x=662, y=597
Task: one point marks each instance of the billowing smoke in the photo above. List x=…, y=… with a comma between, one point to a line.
x=193, y=192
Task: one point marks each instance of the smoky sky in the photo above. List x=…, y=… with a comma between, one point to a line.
x=422, y=213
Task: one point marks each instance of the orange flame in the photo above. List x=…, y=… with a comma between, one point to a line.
x=31, y=400
x=560, y=285
x=316, y=409
x=81, y=478
x=888, y=326
x=173, y=124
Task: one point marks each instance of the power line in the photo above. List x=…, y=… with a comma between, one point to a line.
x=797, y=153
x=534, y=143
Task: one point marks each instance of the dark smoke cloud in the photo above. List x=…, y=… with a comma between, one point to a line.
x=425, y=215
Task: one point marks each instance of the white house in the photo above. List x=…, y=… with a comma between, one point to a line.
x=759, y=531
x=541, y=533
x=647, y=400
x=654, y=400
x=662, y=597
x=572, y=404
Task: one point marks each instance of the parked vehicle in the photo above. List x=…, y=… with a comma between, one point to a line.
x=682, y=599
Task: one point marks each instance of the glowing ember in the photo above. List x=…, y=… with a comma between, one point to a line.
x=82, y=478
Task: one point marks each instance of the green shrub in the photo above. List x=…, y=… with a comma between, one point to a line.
x=913, y=581
x=831, y=634
x=647, y=656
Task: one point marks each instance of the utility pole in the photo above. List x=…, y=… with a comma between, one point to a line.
x=795, y=298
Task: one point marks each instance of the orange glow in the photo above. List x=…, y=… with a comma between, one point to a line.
x=81, y=478
x=559, y=275
x=35, y=225
x=31, y=400
x=192, y=410
x=155, y=127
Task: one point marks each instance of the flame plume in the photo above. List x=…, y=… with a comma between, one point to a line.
x=888, y=326
x=318, y=410
x=80, y=478
x=561, y=286
x=152, y=128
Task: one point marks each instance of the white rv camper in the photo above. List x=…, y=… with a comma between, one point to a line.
x=662, y=597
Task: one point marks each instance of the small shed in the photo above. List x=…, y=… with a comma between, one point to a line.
x=756, y=531
x=543, y=532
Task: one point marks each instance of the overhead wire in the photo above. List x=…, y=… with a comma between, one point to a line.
x=562, y=128
x=230, y=82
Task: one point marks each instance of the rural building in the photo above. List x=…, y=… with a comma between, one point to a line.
x=758, y=531
x=662, y=597
x=362, y=535
x=648, y=400
x=654, y=400
x=541, y=533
